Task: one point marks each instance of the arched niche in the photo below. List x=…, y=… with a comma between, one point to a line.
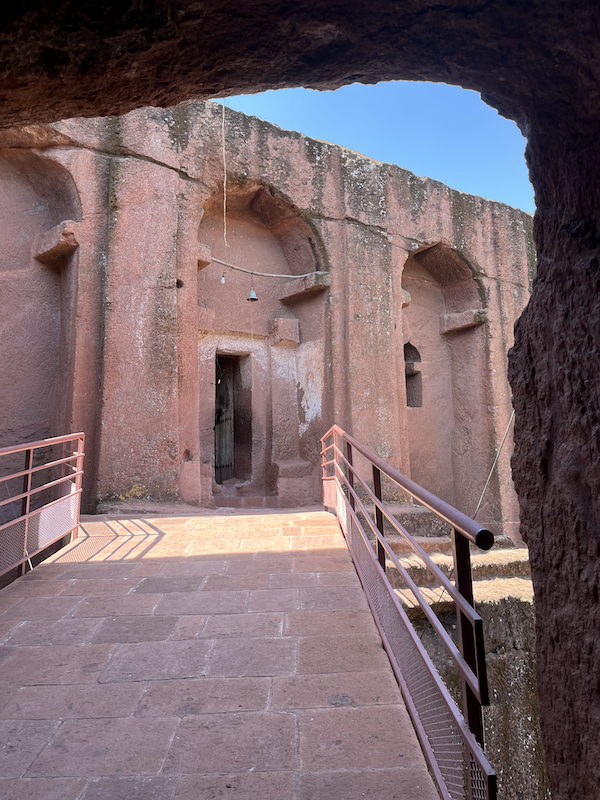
x=270, y=352
x=449, y=439
x=264, y=233
x=39, y=206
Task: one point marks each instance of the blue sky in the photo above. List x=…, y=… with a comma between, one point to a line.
x=432, y=129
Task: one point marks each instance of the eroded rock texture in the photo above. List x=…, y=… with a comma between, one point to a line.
x=67, y=59
x=537, y=62
x=554, y=372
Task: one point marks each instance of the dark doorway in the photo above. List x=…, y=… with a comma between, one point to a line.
x=224, y=419
x=233, y=420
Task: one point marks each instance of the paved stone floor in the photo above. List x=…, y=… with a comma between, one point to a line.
x=196, y=658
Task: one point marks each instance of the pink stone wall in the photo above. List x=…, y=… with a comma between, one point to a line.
x=152, y=313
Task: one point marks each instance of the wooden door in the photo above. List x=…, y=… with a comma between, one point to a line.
x=224, y=419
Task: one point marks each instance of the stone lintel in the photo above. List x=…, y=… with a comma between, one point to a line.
x=284, y=332
x=295, y=290
x=449, y=323
x=203, y=256
x=54, y=247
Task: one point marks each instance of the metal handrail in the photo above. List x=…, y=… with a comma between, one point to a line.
x=475, y=533
x=20, y=448
x=40, y=467
x=465, y=607
x=450, y=704
x=33, y=530
x=39, y=488
x=469, y=658
x=451, y=648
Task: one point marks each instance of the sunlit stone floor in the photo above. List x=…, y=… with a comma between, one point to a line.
x=196, y=658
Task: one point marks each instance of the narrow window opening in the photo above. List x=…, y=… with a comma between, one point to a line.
x=414, y=378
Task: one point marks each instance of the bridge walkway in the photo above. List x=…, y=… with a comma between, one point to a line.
x=196, y=658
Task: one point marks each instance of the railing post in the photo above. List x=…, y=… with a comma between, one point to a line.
x=62, y=488
x=79, y=480
x=25, y=504
x=322, y=459
x=466, y=635
x=378, y=514
x=350, y=476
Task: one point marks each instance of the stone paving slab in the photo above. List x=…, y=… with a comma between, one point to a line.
x=196, y=658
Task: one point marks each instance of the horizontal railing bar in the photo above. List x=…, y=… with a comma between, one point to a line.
x=42, y=466
x=476, y=533
x=449, y=702
x=451, y=648
x=465, y=607
x=38, y=511
x=20, y=448
x=41, y=488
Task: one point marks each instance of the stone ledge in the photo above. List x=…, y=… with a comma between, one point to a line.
x=54, y=247
x=295, y=290
x=449, y=323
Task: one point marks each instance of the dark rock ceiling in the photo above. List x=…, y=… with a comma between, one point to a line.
x=538, y=58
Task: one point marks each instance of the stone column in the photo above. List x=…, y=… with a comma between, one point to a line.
x=374, y=344
x=188, y=253
x=139, y=454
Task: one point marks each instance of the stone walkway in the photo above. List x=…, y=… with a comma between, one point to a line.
x=196, y=658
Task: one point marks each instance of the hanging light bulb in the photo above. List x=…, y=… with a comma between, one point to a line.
x=223, y=278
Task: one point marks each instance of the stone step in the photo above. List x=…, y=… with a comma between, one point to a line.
x=487, y=591
x=246, y=501
x=440, y=544
x=496, y=574
x=509, y=563
x=417, y=520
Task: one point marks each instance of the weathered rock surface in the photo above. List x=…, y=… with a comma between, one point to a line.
x=513, y=742
x=61, y=60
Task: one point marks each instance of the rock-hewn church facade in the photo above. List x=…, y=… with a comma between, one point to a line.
x=117, y=320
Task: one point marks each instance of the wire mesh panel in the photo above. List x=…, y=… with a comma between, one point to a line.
x=438, y=723
x=479, y=789
x=52, y=522
x=12, y=544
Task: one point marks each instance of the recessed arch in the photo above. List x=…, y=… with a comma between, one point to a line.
x=39, y=290
x=267, y=345
x=446, y=374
